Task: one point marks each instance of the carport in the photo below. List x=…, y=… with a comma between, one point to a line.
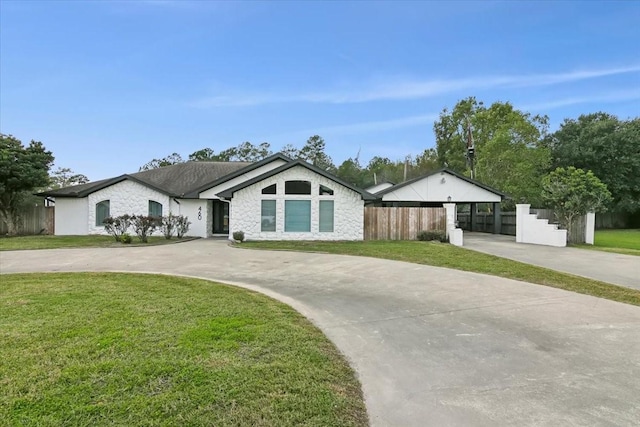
x=440, y=187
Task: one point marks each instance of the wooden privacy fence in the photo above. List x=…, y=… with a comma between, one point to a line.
x=401, y=223
x=36, y=219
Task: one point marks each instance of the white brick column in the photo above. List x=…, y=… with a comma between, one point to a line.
x=455, y=235
x=521, y=212
x=590, y=228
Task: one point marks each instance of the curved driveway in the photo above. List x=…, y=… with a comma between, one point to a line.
x=431, y=346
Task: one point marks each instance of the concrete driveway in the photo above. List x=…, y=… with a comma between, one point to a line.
x=623, y=270
x=431, y=346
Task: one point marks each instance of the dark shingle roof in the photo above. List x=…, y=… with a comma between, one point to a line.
x=184, y=177
x=195, y=192
x=174, y=180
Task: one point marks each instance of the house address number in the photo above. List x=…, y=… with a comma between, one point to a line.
x=199, y=213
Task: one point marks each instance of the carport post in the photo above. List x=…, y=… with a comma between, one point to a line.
x=473, y=217
x=497, y=219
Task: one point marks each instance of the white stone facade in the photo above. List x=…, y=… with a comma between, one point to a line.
x=125, y=197
x=77, y=216
x=348, y=216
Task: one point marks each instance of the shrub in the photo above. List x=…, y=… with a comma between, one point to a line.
x=126, y=238
x=144, y=225
x=182, y=226
x=168, y=225
x=117, y=226
x=238, y=236
x=429, y=235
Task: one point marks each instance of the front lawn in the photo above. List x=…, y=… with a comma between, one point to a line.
x=623, y=241
x=445, y=255
x=142, y=350
x=58, y=242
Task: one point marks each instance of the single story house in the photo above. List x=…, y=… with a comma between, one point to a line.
x=274, y=199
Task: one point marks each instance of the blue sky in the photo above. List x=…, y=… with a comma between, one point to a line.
x=110, y=85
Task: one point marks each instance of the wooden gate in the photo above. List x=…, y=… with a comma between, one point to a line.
x=401, y=223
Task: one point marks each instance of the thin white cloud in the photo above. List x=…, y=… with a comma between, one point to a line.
x=360, y=127
x=633, y=95
x=377, y=126
x=410, y=89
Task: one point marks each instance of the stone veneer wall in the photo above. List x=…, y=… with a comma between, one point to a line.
x=348, y=216
x=125, y=197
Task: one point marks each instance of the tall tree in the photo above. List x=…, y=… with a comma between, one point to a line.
x=509, y=153
x=171, y=159
x=376, y=170
x=607, y=146
x=426, y=162
x=247, y=152
x=22, y=170
x=290, y=151
x=203, y=155
x=574, y=192
x=65, y=177
x=351, y=172
x=313, y=152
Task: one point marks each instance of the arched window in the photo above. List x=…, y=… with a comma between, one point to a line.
x=324, y=191
x=102, y=212
x=155, y=208
x=297, y=187
x=269, y=190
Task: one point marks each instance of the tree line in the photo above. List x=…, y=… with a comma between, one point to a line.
x=514, y=152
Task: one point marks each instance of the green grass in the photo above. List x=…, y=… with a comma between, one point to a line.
x=445, y=255
x=621, y=241
x=58, y=242
x=149, y=350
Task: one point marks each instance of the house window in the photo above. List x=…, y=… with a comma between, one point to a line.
x=325, y=191
x=155, y=208
x=269, y=190
x=297, y=215
x=297, y=187
x=102, y=212
x=326, y=216
x=268, y=218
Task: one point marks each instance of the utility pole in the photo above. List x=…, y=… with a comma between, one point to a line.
x=471, y=150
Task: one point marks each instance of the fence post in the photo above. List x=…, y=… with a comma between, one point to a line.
x=589, y=228
x=497, y=219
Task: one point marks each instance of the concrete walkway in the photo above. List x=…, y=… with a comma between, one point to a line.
x=623, y=270
x=431, y=346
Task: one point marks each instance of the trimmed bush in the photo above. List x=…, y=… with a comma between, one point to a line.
x=182, y=226
x=126, y=238
x=429, y=235
x=117, y=226
x=238, y=236
x=168, y=225
x=144, y=225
